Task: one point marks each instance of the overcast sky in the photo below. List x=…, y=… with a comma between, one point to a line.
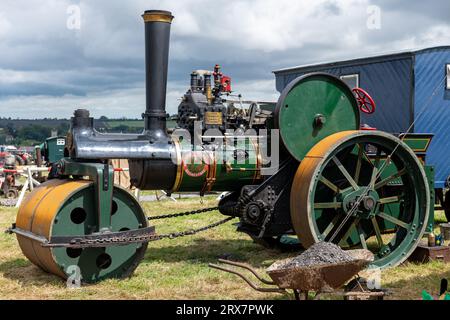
x=49, y=66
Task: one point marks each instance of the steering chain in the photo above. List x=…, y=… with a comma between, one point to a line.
x=123, y=237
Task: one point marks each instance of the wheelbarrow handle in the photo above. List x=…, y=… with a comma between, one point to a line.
x=251, y=284
x=249, y=268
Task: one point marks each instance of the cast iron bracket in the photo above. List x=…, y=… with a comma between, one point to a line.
x=102, y=174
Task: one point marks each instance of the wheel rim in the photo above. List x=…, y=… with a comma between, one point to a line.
x=336, y=196
x=12, y=194
x=65, y=208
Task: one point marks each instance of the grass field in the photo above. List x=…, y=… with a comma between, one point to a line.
x=129, y=123
x=178, y=268
x=110, y=124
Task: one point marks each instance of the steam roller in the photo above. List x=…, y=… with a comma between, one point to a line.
x=300, y=167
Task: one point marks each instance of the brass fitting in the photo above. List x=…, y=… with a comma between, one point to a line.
x=157, y=16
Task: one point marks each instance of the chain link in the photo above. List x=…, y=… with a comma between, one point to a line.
x=181, y=214
x=190, y=232
x=193, y=231
x=102, y=240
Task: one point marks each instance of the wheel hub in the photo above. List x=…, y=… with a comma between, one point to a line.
x=366, y=203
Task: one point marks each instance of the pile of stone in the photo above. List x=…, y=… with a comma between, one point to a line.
x=321, y=253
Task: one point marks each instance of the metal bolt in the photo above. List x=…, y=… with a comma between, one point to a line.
x=319, y=120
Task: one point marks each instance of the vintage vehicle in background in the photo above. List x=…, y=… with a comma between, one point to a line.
x=9, y=184
x=50, y=151
x=22, y=156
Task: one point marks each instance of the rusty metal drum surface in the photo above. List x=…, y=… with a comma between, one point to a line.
x=67, y=207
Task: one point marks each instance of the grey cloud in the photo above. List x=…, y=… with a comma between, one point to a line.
x=101, y=66
x=436, y=10
x=36, y=88
x=328, y=8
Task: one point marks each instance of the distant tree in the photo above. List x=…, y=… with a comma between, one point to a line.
x=121, y=128
x=11, y=129
x=34, y=132
x=63, y=128
x=103, y=118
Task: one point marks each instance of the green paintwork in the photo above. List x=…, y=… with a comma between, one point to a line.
x=429, y=171
x=394, y=209
x=53, y=148
x=103, y=188
x=394, y=252
x=230, y=176
x=300, y=103
x=418, y=142
x=351, y=197
x=128, y=215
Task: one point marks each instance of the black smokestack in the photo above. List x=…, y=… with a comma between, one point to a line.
x=157, y=36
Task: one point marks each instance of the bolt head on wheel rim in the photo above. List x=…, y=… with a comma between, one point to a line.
x=337, y=196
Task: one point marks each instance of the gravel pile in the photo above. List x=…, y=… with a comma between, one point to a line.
x=318, y=254
x=8, y=202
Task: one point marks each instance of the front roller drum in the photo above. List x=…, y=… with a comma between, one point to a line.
x=68, y=208
x=362, y=189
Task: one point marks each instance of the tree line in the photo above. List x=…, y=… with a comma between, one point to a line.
x=27, y=132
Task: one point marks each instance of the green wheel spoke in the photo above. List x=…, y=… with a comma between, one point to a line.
x=329, y=227
x=327, y=205
x=368, y=159
x=362, y=238
x=394, y=220
x=358, y=162
x=351, y=228
x=388, y=200
x=329, y=184
x=345, y=173
x=376, y=227
x=385, y=181
x=375, y=170
x=373, y=178
x=377, y=158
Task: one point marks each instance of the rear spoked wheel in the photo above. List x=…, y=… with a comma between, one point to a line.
x=362, y=189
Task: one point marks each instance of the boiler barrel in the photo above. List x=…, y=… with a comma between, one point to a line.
x=228, y=168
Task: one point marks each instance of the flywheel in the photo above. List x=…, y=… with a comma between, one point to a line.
x=312, y=107
x=362, y=189
x=67, y=207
